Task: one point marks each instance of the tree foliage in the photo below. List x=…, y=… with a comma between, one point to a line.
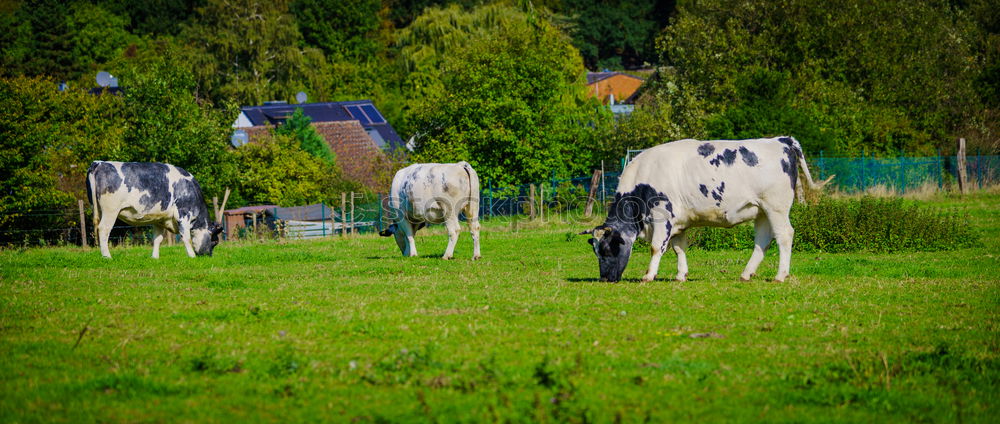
x=512, y=104
x=298, y=128
x=249, y=52
x=874, y=76
x=276, y=170
x=47, y=140
x=165, y=123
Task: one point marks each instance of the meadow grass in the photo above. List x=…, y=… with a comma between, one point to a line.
x=348, y=330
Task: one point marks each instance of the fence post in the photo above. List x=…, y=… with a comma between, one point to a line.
x=541, y=203
x=531, y=201
x=322, y=217
x=352, y=214
x=379, y=225
x=603, y=188
x=963, y=183
x=592, y=194
x=83, y=224
x=343, y=214
x=491, y=197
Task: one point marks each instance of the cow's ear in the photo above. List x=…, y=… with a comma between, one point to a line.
x=592, y=241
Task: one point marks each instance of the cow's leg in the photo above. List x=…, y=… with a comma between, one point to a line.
x=472, y=215
x=104, y=230
x=157, y=239
x=185, y=230
x=783, y=233
x=762, y=240
x=680, y=243
x=406, y=232
x=658, y=242
x=453, y=228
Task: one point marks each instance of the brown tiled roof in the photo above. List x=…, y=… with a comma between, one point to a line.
x=357, y=154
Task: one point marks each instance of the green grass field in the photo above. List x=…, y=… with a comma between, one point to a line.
x=346, y=330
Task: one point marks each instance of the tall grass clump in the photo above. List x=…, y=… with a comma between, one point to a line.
x=856, y=224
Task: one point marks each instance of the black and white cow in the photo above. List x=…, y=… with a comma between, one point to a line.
x=431, y=193
x=689, y=183
x=157, y=194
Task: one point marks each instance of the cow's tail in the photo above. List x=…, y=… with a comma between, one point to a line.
x=805, y=170
x=92, y=196
x=473, y=205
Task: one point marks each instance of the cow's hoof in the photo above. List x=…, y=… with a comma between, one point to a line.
x=447, y=258
x=681, y=278
x=476, y=258
x=647, y=279
x=744, y=279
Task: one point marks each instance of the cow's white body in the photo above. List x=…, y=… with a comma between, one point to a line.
x=691, y=183
x=157, y=194
x=432, y=193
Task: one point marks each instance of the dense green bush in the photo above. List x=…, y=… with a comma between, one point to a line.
x=865, y=224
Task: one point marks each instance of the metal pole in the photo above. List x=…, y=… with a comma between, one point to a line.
x=83, y=225
x=379, y=212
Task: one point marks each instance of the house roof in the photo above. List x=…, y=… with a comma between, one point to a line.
x=593, y=77
x=362, y=111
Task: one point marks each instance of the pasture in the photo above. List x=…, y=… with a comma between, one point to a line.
x=347, y=330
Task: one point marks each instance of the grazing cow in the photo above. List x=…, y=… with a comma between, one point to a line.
x=689, y=183
x=141, y=193
x=432, y=193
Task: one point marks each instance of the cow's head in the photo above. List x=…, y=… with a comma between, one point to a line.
x=612, y=248
x=388, y=231
x=205, y=239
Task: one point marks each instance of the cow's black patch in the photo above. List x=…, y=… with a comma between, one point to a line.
x=749, y=158
x=183, y=172
x=717, y=197
x=190, y=203
x=790, y=165
x=727, y=157
x=663, y=246
x=788, y=141
x=704, y=190
x=706, y=149
x=721, y=188
x=629, y=210
x=106, y=177
x=150, y=178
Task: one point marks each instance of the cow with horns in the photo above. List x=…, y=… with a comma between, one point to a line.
x=157, y=194
x=689, y=183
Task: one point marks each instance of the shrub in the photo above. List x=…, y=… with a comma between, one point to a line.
x=856, y=224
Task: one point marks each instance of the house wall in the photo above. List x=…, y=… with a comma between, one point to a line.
x=622, y=86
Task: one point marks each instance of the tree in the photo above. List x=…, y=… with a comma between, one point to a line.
x=298, y=128
x=47, y=140
x=165, y=123
x=882, y=76
x=275, y=170
x=512, y=103
x=617, y=34
x=339, y=28
x=248, y=51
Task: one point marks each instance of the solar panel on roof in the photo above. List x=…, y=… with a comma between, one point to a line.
x=373, y=114
x=358, y=114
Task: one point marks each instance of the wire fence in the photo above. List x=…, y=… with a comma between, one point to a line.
x=368, y=213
